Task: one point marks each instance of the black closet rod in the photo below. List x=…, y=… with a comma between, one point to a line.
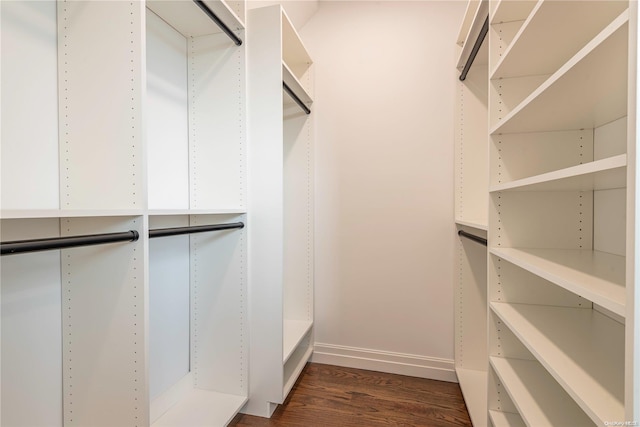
x=473, y=237
x=295, y=98
x=218, y=22
x=476, y=48
x=163, y=232
x=22, y=246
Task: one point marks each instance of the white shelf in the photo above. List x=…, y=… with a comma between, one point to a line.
x=581, y=348
x=546, y=26
x=538, y=397
x=294, y=332
x=294, y=53
x=473, y=384
x=291, y=375
x=467, y=21
x=505, y=419
x=481, y=14
x=512, y=11
x=294, y=84
x=596, y=276
x=598, y=175
x=62, y=213
x=477, y=224
x=190, y=21
x=164, y=212
x=588, y=91
x=202, y=408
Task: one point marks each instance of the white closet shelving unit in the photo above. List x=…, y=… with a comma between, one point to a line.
x=117, y=117
x=561, y=282
x=281, y=208
x=471, y=210
x=196, y=132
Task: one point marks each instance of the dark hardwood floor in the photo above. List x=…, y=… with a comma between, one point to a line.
x=328, y=396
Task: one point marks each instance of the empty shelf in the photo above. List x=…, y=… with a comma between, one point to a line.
x=585, y=355
x=596, y=276
x=588, y=91
x=538, y=397
x=598, y=175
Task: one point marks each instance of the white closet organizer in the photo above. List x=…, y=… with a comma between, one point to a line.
x=561, y=284
x=281, y=207
x=95, y=140
x=471, y=210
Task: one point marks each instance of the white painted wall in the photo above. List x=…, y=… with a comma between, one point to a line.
x=385, y=88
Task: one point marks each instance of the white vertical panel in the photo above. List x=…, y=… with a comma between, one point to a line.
x=29, y=148
x=610, y=139
x=219, y=308
x=167, y=116
x=522, y=155
x=100, y=87
x=632, y=321
x=217, y=132
x=560, y=219
x=609, y=217
x=507, y=94
x=298, y=217
x=169, y=325
x=609, y=221
x=103, y=317
x=31, y=329
x=264, y=222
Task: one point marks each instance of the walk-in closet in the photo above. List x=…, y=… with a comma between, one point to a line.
x=216, y=212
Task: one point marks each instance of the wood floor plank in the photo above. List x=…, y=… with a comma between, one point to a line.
x=333, y=396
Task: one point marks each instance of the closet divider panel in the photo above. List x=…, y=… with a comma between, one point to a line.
x=31, y=352
x=266, y=225
x=100, y=94
x=29, y=106
x=632, y=317
x=103, y=326
x=281, y=211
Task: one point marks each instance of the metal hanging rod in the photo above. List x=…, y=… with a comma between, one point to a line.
x=22, y=246
x=476, y=48
x=473, y=237
x=296, y=98
x=163, y=232
x=218, y=22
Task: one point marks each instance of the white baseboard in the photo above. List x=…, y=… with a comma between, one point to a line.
x=383, y=361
